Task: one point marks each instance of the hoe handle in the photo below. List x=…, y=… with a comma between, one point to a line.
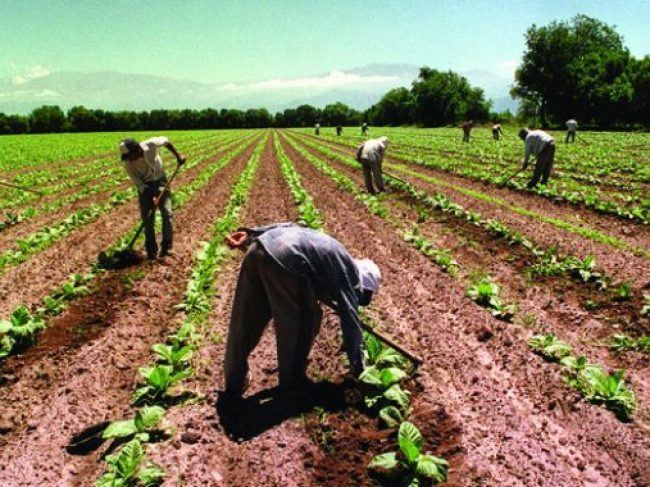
x=167, y=184
x=11, y=185
x=403, y=181
x=417, y=361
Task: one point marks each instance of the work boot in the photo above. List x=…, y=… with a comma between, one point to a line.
x=166, y=253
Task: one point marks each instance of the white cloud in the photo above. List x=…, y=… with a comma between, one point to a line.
x=34, y=72
x=334, y=79
x=509, y=66
x=47, y=93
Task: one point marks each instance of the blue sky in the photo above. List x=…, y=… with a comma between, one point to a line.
x=275, y=54
x=219, y=41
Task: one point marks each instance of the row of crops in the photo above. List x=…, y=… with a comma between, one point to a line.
x=429, y=222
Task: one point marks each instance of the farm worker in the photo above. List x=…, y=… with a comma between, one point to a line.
x=286, y=271
x=317, y=128
x=467, y=128
x=571, y=128
x=339, y=129
x=143, y=164
x=364, y=128
x=371, y=154
x=541, y=145
x=496, y=131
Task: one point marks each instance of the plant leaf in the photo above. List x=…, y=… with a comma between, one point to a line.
x=120, y=429
x=385, y=463
x=432, y=467
x=409, y=439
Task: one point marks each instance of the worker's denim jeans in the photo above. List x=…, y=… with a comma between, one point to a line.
x=264, y=291
x=544, y=165
x=372, y=170
x=148, y=216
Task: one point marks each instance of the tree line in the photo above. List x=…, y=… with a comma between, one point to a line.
x=578, y=69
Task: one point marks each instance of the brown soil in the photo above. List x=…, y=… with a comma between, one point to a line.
x=71, y=388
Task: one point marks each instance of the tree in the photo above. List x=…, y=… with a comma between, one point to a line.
x=394, y=108
x=572, y=69
x=441, y=98
x=48, y=118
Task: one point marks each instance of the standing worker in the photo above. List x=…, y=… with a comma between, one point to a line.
x=317, y=129
x=371, y=155
x=364, y=128
x=541, y=145
x=287, y=270
x=467, y=128
x=496, y=131
x=339, y=129
x=143, y=164
x=571, y=129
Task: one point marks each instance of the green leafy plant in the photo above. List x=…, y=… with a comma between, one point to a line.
x=623, y=342
x=409, y=464
x=157, y=381
x=550, y=347
x=129, y=467
x=18, y=330
x=486, y=293
x=177, y=357
x=141, y=426
x=645, y=310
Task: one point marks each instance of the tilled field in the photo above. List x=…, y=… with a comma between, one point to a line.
x=496, y=411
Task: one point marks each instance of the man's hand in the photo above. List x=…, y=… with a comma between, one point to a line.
x=237, y=240
x=180, y=159
x=155, y=200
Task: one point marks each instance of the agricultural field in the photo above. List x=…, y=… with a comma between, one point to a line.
x=530, y=311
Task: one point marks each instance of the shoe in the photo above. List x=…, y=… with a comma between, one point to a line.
x=167, y=253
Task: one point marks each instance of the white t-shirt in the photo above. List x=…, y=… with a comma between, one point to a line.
x=571, y=125
x=149, y=167
x=536, y=140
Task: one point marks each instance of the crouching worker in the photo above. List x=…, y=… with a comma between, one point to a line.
x=541, y=145
x=370, y=155
x=287, y=271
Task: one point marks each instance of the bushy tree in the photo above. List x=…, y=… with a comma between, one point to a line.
x=394, y=108
x=48, y=118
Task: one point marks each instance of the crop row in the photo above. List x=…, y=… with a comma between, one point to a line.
x=159, y=382
x=25, y=325
x=385, y=369
x=485, y=292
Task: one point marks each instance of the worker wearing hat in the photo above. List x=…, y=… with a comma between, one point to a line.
x=287, y=271
x=144, y=166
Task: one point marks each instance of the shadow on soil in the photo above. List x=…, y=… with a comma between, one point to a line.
x=246, y=418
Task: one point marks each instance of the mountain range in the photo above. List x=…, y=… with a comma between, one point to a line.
x=359, y=88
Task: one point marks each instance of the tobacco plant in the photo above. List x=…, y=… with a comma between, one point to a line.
x=129, y=467
x=410, y=464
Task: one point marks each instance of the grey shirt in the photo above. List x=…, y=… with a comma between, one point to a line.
x=372, y=150
x=148, y=168
x=535, y=142
x=326, y=264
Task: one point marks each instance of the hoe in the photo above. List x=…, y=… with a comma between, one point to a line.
x=22, y=188
x=126, y=256
x=415, y=359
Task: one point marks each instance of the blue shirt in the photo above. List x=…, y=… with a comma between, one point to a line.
x=327, y=265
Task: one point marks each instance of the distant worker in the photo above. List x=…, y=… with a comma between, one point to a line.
x=287, y=271
x=364, y=128
x=317, y=129
x=467, y=128
x=144, y=166
x=541, y=145
x=571, y=129
x=371, y=155
x=339, y=129
x=496, y=131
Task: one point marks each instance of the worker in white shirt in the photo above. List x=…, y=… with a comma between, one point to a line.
x=571, y=129
x=541, y=145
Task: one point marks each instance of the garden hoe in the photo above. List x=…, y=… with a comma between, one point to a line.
x=126, y=256
x=403, y=181
x=503, y=183
x=415, y=359
x=22, y=188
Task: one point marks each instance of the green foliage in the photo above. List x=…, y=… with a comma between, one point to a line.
x=486, y=293
x=18, y=330
x=145, y=421
x=157, y=381
x=129, y=467
x=410, y=464
x=621, y=343
x=550, y=347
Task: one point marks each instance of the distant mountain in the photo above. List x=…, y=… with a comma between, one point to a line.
x=358, y=87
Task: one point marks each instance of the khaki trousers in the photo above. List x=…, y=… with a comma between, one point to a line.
x=372, y=170
x=264, y=291
x=544, y=165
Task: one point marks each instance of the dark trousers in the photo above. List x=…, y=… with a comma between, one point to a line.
x=372, y=170
x=148, y=215
x=544, y=165
x=264, y=291
x=571, y=134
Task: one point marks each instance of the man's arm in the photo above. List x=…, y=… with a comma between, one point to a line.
x=180, y=158
x=348, y=311
x=359, y=150
x=527, y=151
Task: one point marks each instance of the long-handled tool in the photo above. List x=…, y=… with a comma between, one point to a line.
x=503, y=183
x=415, y=359
x=127, y=256
x=22, y=188
x=403, y=181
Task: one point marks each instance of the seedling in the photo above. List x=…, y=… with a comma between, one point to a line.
x=409, y=464
x=141, y=426
x=550, y=347
x=129, y=467
x=486, y=293
x=18, y=330
x=176, y=356
x=157, y=381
